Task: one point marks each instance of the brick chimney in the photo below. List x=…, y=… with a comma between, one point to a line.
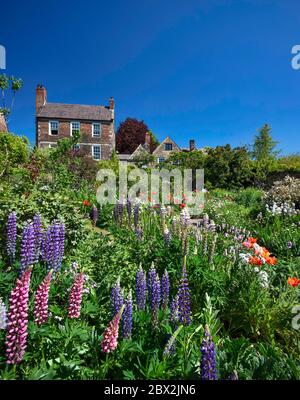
x=41, y=97
x=192, y=144
x=111, y=103
x=147, y=140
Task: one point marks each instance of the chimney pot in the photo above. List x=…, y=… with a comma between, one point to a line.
x=192, y=144
x=41, y=96
x=111, y=103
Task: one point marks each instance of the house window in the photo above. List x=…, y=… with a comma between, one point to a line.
x=168, y=146
x=52, y=145
x=96, y=130
x=76, y=147
x=96, y=152
x=75, y=127
x=161, y=159
x=53, y=127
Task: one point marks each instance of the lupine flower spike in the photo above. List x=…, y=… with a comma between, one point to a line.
x=27, y=247
x=155, y=300
x=38, y=235
x=208, y=358
x=140, y=290
x=165, y=287
x=95, y=215
x=110, y=336
x=127, y=318
x=184, y=306
x=16, y=338
x=76, y=296
x=41, y=301
x=11, y=236
x=116, y=297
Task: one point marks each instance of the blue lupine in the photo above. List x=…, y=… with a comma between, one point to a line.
x=155, y=298
x=165, y=286
x=136, y=215
x=117, y=299
x=27, y=247
x=151, y=277
x=11, y=238
x=129, y=208
x=184, y=306
x=167, y=236
x=208, y=358
x=127, y=318
x=141, y=289
x=139, y=233
x=38, y=235
x=53, y=246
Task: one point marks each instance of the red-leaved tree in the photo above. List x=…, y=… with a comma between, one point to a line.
x=130, y=134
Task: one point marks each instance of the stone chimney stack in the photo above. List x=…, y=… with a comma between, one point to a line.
x=3, y=126
x=192, y=144
x=41, y=97
x=147, y=140
x=111, y=103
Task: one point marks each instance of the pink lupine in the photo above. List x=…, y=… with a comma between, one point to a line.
x=110, y=336
x=16, y=337
x=41, y=301
x=76, y=296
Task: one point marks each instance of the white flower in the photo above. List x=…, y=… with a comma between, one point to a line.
x=3, y=318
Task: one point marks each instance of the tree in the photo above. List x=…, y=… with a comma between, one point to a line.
x=263, y=147
x=6, y=83
x=13, y=152
x=130, y=134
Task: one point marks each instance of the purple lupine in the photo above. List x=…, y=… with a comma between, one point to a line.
x=136, y=215
x=151, y=277
x=165, y=288
x=38, y=235
x=11, y=238
x=76, y=296
x=140, y=289
x=16, y=337
x=117, y=299
x=95, y=215
x=184, y=306
x=27, y=247
x=155, y=298
x=41, y=300
x=127, y=318
x=174, y=316
x=208, y=358
x=289, y=245
x=53, y=246
x=3, y=315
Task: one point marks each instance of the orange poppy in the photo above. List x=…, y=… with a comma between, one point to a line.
x=255, y=261
x=86, y=203
x=293, y=282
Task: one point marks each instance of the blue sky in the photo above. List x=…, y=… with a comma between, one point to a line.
x=214, y=71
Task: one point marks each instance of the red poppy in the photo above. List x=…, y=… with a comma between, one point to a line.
x=293, y=282
x=182, y=205
x=86, y=203
x=255, y=261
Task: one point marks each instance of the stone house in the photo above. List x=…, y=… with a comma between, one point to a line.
x=55, y=121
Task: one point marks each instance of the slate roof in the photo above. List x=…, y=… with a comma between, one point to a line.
x=75, y=112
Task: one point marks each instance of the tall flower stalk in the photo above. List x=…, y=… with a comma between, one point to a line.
x=3, y=315
x=41, y=300
x=116, y=297
x=76, y=296
x=11, y=238
x=38, y=235
x=184, y=305
x=155, y=298
x=28, y=256
x=127, y=318
x=95, y=215
x=140, y=289
x=53, y=246
x=109, y=341
x=165, y=286
x=16, y=338
x=208, y=358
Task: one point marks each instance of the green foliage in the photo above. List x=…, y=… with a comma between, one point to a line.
x=263, y=147
x=13, y=153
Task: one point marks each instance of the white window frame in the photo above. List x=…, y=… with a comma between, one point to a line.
x=71, y=127
x=96, y=145
x=93, y=129
x=52, y=145
x=50, y=130
x=159, y=160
